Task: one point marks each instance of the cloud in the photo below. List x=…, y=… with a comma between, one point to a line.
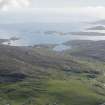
x=14, y=4
x=71, y=12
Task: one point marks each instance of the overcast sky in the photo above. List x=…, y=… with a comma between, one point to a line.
x=67, y=3
x=52, y=10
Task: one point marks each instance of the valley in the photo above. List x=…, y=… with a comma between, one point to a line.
x=63, y=72
x=33, y=76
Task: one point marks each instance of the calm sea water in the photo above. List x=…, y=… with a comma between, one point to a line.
x=36, y=33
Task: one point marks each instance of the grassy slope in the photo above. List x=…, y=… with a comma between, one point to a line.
x=50, y=84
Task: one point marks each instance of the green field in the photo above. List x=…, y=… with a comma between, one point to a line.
x=50, y=79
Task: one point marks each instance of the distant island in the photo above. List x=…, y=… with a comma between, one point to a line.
x=96, y=28
x=87, y=33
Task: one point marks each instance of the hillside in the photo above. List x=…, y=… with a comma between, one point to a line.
x=31, y=76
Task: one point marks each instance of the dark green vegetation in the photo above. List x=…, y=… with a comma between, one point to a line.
x=36, y=76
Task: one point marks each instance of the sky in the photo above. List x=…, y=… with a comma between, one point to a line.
x=67, y=3
x=51, y=10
